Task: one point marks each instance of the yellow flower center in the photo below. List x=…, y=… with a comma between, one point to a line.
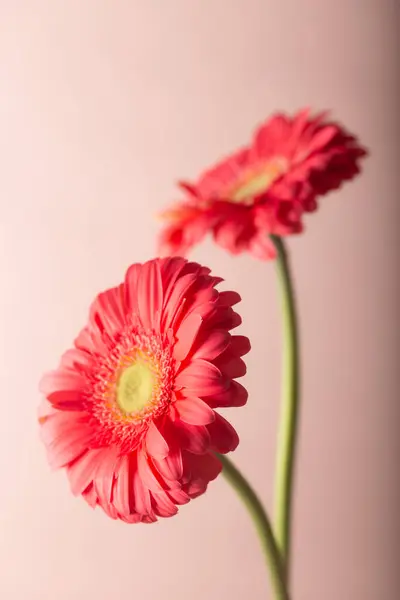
x=256, y=182
x=135, y=386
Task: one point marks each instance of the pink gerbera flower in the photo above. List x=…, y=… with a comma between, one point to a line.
x=264, y=189
x=130, y=411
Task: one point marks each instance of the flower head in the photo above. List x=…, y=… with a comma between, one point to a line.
x=265, y=188
x=130, y=411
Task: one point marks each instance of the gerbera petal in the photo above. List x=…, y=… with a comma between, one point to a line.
x=224, y=318
x=150, y=295
x=234, y=235
x=107, y=311
x=228, y=298
x=90, y=341
x=171, y=467
x=194, y=411
x=151, y=476
x=223, y=437
x=179, y=496
x=230, y=364
x=104, y=477
x=82, y=471
x=202, y=469
x=322, y=138
x=142, y=497
x=201, y=377
x=205, y=467
x=239, y=345
x=64, y=389
x=68, y=446
x=64, y=380
x=155, y=443
x=171, y=269
x=211, y=344
x=131, y=288
x=177, y=299
x=77, y=360
x=122, y=489
x=90, y=495
x=262, y=247
x=194, y=438
x=186, y=336
x=234, y=395
x=163, y=506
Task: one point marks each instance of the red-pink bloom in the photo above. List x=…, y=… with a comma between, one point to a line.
x=265, y=188
x=130, y=411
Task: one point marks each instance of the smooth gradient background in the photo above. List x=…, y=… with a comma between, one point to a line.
x=103, y=104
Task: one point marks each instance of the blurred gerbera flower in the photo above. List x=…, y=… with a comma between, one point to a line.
x=264, y=189
x=130, y=411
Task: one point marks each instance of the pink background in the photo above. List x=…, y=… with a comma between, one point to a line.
x=102, y=105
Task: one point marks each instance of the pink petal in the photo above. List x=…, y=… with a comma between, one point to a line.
x=150, y=295
x=122, y=489
x=200, y=471
x=142, y=497
x=179, y=496
x=171, y=467
x=223, y=436
x=177, y=299
x=104, y=477
x=109, y=509
x=228, y=298
x=62, y=381
x=77, y=360
x=194, y=411
x=149, y=518
x=194, y=438
x=240, y=345
x=90, y=496
x=131, y=288
x=202, y=299
x=235, y=395
x=200, y=377
x=81, y=472
x=233, y=235
x=230, y=365
x=133, y=518
x=46, y=410
x=147, y=475
x=163, y=506
x=155, y=443
x=63, y=424
x=70, y=400
x=186, y=336
x=262, y=247
x=195, y=488
x=211, y=344
x=66, y=448
x=90, y=341
x=107, y=311
x=224, y=318
x=171, y=269
x=322, y=138
x=206, y=467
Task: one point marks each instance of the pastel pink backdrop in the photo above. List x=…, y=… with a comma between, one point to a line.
x=103, y=104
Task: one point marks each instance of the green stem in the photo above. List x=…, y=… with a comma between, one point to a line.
x=262, y=525
x=289, y=408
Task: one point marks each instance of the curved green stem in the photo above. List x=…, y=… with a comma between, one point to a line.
x=289, y=408
x=262, y=525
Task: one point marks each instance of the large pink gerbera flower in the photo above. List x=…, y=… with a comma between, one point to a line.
x=130, y=410
x=264, y=189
